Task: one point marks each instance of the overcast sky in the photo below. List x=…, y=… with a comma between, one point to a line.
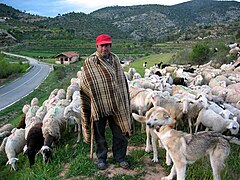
x=52, y=8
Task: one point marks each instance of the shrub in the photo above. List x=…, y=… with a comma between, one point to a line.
x=8, y=69
x=200, y=53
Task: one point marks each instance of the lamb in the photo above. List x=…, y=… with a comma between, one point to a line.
x=217, y=123
x=14, y=145
x=72, y=112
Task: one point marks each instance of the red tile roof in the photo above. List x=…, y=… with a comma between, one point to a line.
x=68, y=54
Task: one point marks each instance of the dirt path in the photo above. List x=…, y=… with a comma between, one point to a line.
x=150, y=171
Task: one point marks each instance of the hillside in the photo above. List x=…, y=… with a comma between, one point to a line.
x=156, y=21
x=159, y=23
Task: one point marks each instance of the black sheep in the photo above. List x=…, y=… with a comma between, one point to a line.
x=21, y=123
x=159, y=65
x=158, y=73
x=179, y=81
x=165, y=65
x=35, y=141
x=190, y=70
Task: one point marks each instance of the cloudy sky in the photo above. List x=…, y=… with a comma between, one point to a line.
x=52, y=8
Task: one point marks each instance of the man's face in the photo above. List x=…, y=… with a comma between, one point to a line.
x=104, y=50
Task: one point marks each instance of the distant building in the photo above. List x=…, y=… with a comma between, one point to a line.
x=67, y=58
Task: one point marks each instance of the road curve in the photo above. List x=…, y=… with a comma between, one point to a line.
x=21, y=87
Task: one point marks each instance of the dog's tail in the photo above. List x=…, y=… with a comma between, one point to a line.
x=141, y=119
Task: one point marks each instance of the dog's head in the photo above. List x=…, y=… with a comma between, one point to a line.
x=155, y=118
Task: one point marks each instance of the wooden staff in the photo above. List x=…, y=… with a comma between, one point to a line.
x=91, y=145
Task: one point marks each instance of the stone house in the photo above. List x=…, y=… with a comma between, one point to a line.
x=67, y=58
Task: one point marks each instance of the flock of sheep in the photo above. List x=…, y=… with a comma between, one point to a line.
x=193, y=96
x=42, y=126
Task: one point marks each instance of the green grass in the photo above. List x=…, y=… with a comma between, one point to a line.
x=11, y=68
x=151, y=61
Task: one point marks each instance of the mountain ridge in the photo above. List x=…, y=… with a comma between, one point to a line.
x=138, y=22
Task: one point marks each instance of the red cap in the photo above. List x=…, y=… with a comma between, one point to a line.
x=103, y=39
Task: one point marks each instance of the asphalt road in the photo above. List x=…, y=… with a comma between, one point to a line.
x=14, y=91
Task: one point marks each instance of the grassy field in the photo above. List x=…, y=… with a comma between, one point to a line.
x=71, y=160
x=151, y=61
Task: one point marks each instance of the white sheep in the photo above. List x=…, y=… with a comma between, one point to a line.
x=5, y=131
x=225, y=113
x=6, y=127
x=214, y=121
x=234, y=51
x=217, y=81
x=146, y=84
x=38, y=118
x=137, y=76
x=71, y=89
x=233, y=109
x=54, y=124
x=232, y=45
x=61, y=94
x=13, y=146
x=41, y=112
x=148, y=73
x=126, y=64
x=32, y=110
x=25, y=108
x=131, y=72
x=72, y=113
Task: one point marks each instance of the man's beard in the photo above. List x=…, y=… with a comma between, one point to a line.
x=105, y=54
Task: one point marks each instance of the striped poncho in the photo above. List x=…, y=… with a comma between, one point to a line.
x=103, y=92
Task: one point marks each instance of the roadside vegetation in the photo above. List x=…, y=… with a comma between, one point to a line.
x=71, y=160
x=11, y=68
